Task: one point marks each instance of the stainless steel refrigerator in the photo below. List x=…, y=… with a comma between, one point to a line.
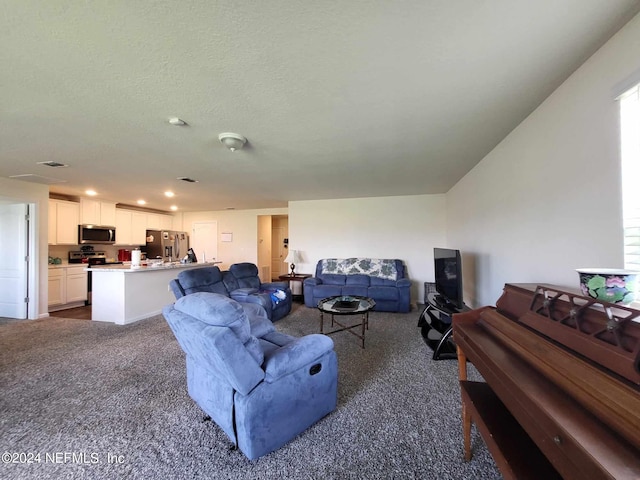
x=169, y=245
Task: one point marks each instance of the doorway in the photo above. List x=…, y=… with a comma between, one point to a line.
x=204, y=241
x=14, y=263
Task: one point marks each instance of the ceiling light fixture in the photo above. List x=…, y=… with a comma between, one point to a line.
x=91, y=193
x=174, y=207
x=169, y=194
x=141, y=202
x=232, y=141
x=178, y=122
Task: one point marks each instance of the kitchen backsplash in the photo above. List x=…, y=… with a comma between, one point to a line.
x=62, y=251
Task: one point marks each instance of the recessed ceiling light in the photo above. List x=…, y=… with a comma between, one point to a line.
x=169, y=194
x=91, y=193
x=174, y=207
x=141, y=202
x=178, y=122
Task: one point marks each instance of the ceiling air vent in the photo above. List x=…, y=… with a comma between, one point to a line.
x=29, y=177
x=187, y=179
x=51, y=163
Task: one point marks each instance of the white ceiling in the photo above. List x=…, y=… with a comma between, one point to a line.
x=338, y=99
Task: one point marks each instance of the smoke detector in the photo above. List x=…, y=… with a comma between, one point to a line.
x=232, y=141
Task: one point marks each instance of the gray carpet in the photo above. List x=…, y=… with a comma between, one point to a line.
x=97, y=400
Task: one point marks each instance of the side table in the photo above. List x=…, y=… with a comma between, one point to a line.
x=296, y=277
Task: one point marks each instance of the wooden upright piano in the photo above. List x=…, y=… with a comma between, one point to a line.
x=561, y=397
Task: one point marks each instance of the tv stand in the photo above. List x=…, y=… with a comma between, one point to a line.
x=436, y=326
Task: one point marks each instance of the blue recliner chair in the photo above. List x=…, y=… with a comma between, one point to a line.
x=262, y=391
x=244, y=285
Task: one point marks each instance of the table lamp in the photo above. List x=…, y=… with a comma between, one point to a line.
x=292, y=258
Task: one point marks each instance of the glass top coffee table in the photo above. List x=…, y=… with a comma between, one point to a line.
x=346, y=305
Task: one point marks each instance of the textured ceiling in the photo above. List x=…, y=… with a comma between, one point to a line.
x=338, y=99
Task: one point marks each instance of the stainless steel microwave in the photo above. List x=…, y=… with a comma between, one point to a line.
x=96, y=234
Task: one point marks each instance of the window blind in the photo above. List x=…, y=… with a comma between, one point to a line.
x=630, y=152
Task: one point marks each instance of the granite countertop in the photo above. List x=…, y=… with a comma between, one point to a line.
x=147, y=268
x=65, y=264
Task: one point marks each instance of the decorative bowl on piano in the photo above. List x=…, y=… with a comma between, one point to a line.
x=609, y=284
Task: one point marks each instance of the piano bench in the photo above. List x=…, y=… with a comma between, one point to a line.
x=515, y=454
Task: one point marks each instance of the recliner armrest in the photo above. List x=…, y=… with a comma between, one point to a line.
x=298, y=354
x=176, y=288
x=403, y=282
x=312, y=282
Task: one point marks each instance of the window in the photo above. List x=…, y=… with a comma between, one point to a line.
x=630, y=152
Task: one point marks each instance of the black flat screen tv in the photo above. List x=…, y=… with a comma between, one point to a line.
x=448, y=272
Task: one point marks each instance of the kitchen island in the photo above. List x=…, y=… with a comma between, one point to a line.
x=124, y=294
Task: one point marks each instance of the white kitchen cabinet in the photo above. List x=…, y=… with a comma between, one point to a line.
x=138, y=228
x=107, y=214
x=159, y=222
x=123, y=227
x=96, y=212
x=57, y=286
x=166, y=222
x=67, y=286
x=153, y=221
x=76, y=285
x=64, y=218
x=131, y=227
x=53, y=222
x=89, y=211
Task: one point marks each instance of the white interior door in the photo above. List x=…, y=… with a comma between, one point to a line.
x=13, y=263
x=278, y=252
x=204, y=241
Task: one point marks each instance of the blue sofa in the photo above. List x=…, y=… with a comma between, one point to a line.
x=383, y=280
x=241, y=283
x=262, y=391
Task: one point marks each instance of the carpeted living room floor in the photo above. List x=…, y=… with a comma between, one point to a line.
x=97, y=400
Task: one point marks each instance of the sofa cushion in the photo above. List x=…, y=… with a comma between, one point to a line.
x=355, y=290
x=360, y=280
x=246, y=275
x=324, y=291
x=331, y=279
x=375, y=281
x=384, y=293
x=260, y=323
x=206, y=279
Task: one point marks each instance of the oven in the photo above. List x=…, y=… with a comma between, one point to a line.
x=88, y=257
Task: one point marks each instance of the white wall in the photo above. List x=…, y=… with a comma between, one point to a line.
x=244, y=226
x=547, y=199
x=405, y=227
x=38, y=196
